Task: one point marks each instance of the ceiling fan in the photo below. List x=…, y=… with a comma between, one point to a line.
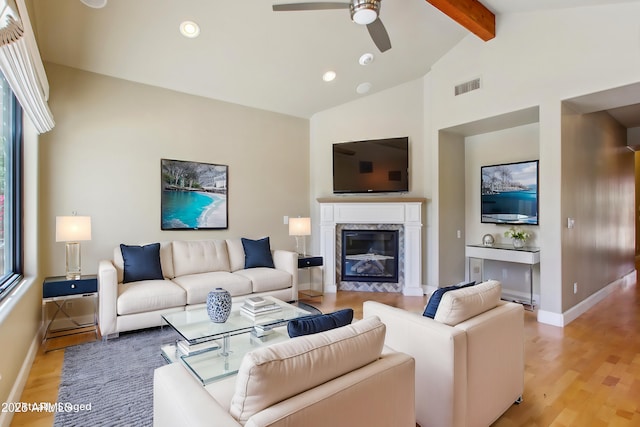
x=363, y=12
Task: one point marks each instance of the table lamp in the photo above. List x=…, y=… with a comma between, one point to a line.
x=300, y=227
x=72, y=230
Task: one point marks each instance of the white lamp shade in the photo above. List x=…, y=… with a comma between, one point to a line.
x=73, y=228
x=299, y=226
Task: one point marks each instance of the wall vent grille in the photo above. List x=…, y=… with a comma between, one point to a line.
x=467, y=86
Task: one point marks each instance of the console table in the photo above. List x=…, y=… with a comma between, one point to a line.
x=507, y=253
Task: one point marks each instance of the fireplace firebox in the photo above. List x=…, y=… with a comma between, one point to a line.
x=369, y=256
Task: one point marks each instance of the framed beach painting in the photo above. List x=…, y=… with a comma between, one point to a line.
x=194, y=195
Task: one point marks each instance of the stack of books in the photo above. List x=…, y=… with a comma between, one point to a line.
x=185, y=348
x=262, y=330
x=254, y=307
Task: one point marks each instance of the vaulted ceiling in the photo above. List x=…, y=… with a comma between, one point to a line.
x=250, y=55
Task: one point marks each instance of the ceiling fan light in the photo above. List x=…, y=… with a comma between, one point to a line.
x=364, y=12
x=364, y=16
x=96, y=4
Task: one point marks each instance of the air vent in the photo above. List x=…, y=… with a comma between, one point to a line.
x=468, y=86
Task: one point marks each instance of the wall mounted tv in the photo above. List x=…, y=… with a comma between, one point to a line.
x=509, y=193
x=371, y=166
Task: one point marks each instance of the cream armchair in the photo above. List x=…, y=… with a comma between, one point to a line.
x=469, y=358
x=338, y=378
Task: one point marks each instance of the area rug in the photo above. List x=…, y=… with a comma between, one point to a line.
x=116, y=378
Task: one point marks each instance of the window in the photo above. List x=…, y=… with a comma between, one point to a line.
x=10, y=189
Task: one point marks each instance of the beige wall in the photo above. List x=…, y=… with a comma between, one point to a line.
x=515, y=144
x=598, y=187
x=391, y=113
x=460, y=159
x=103, y=159
x=452, y=172
x=519, y=70
x=637, y=203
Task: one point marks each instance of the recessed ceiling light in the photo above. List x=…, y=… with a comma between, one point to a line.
x=329, y=76
x=190, y=29
x=366, y=59
x=363, y=88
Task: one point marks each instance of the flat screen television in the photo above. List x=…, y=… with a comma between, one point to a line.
x=371, y=166
x=509, y=193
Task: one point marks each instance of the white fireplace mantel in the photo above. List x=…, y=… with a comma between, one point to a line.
x=406, y=212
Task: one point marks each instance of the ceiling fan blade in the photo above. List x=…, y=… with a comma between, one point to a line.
x=379, y=35
x=322, y=5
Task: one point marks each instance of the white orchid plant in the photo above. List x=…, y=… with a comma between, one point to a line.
x=517, y=233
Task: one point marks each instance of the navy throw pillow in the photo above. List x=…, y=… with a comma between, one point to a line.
x=141, y=262
x=436, y=297
x=257, y=253
x=319, y=323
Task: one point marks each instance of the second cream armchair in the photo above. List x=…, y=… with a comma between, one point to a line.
x=469, y=359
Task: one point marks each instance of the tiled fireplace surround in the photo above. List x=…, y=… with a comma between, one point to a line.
x=402, y=214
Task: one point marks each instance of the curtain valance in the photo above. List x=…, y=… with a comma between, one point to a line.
x=22, y=67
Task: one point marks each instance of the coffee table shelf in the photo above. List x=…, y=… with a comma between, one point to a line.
x=237, y=336
x=212, y=365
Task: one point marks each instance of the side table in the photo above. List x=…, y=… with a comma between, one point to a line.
x=310, y=262
x=58, y=290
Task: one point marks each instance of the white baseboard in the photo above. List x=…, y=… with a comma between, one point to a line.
x=413, y=292
x=561, y=320
x=550, y=318
x=21, y=380
x=330, y=289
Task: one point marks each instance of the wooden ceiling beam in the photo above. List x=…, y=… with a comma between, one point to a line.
x=471, y=14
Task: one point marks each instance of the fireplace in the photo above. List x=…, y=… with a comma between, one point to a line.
x=369, y=256
x=402, y=214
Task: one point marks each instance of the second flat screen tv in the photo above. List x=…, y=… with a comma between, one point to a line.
x=509, y=193
x=371, y=166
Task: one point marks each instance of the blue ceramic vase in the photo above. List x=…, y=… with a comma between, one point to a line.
x=219, y=305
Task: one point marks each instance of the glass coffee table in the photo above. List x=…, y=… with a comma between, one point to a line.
x=212, y=351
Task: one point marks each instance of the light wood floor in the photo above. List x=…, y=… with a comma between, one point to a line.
x=584, y=375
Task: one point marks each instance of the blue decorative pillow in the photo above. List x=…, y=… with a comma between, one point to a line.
x=257, y=253
x=141, y=262
x=319, y=323
x=436, y=297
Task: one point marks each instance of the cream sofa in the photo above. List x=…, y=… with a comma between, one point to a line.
x=335, y=378
x=469, y=358
x=191, y=269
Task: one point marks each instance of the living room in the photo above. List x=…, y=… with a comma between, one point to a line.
x=111, y=134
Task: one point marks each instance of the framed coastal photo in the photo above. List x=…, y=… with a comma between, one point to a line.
x=194, y=195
